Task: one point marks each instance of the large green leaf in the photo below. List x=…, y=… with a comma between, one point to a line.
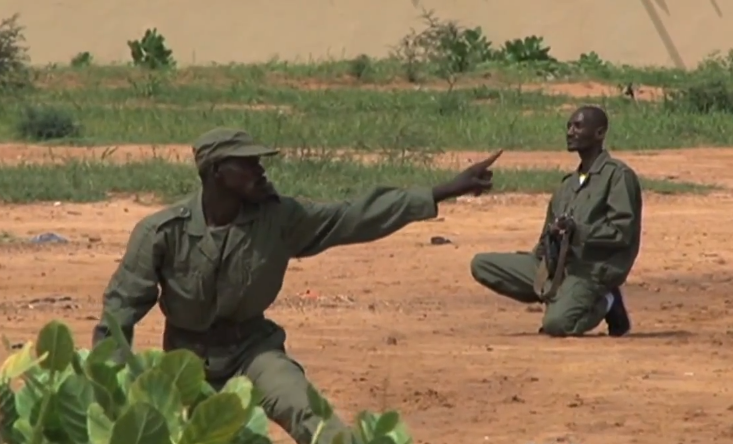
x=386, y=423
x=366, y=423
x=115, y=331
x=103, y=351
x=150, y=358
x=215, y=421
x=20, y=362
x=256, y=431
x=107, y=392
x=83, y=354
x=8, y=413
x=27, y=397
x=73, y=399
x=205, y=392
x=243, y=388
x=258, y=423
x=386, y=428
x=55, y=338
x=157, y=389
x=23, y=430
x=187, y=372
x=320, y=405
x=77, y=363
x=106, y=376
x=45, y=415
x=140, y=423
x=99, y=426
x=390, y=429
x=125, y=379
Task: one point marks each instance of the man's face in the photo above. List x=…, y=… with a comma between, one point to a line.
x=582, y=133
x=245, y=177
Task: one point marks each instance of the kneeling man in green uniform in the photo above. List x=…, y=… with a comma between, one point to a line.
x=589, y=242
x=216, y=261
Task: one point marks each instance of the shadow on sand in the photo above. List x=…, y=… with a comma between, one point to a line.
x=664, y=334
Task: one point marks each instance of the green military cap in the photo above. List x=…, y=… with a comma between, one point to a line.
x=221, y=143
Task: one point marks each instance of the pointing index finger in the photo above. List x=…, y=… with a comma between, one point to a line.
x=490, y=160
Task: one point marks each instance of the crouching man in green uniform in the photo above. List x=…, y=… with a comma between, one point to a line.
x=597, y=211
x=219, y=258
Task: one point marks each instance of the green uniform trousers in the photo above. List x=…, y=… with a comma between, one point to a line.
x=283, y=384
x=578, y=306
x=280, y=380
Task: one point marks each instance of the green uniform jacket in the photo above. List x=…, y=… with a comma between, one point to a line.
x=607, y=209
x=201, y=282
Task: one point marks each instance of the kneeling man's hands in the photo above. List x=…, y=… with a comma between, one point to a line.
x=562, y=224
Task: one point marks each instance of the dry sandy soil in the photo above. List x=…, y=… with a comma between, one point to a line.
x=399, y=323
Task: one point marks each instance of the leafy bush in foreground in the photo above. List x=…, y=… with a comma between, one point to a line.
x=78, y=396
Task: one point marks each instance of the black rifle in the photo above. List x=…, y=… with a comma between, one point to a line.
x=554, y=252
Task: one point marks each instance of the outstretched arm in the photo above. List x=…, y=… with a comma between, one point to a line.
x=133, y=288
x=312, y=228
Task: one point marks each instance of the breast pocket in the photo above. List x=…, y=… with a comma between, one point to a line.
x=187, y=301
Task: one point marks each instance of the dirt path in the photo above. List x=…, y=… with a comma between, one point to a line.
x=400, y=322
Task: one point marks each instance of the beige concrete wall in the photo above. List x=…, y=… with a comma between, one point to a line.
x=639, y=32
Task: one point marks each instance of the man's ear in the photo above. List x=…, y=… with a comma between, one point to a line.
x=601, y=133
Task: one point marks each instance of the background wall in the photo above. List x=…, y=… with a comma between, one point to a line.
x=639, y=32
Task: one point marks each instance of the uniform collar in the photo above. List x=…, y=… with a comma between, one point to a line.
x=196, y=225
x=598, y=164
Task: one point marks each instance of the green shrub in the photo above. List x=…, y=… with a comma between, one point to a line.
x=361, y=67
x=703, y=96
x=14, y=59
x=528, y=49
x=79, y=396
x=151, y=51
x=45, y=123
x=82, y=60
x=449, y=47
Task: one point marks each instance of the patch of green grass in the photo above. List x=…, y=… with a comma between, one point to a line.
x=330, y=105
x=319, y=178
x=382, y=72
x=479, y=118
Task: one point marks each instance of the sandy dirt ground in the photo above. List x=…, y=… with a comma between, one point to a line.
x=399, y=323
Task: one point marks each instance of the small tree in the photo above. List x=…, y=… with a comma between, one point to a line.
x=151, y=52
x=444, y=44
x=14, y=59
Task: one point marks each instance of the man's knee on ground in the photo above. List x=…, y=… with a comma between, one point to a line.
x=560, y=325
x=483, y=270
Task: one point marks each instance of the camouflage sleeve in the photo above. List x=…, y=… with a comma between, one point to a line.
x=311, y=228
x=133, y=289
x=616, y=228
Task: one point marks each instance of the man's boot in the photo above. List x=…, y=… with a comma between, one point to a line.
x=617, y=317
